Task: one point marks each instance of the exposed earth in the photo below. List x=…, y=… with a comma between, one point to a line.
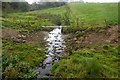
x=90, y=38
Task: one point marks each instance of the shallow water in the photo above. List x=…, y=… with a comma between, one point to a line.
x=55, y=46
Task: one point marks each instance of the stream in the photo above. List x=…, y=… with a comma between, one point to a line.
x=54, y=48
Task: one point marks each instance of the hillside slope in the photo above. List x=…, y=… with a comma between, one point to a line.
x=82, y=15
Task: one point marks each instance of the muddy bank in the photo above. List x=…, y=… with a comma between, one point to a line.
x=83, y=39
x=33, y=38
x=73, y=41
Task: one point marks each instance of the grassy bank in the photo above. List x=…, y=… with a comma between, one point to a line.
x=96, y=62
x=20, y=60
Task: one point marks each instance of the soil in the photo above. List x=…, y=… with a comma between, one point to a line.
x=108, y=36
x=91, y=38
x=37, y=38
x=9, y=33
x=33, y=38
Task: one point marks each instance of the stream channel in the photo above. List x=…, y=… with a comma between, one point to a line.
x=55, y=45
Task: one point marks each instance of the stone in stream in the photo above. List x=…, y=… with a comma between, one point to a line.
x=55, y=59
x=40, y=64
x=48, y=60
x=51, y=54
x=57, y=44
x=58, y=48
x=58, y=51
x=50, y=43
x=54, y=48
x=44, y=71
x=48, y=55
x=43, y=66
x=56, y=36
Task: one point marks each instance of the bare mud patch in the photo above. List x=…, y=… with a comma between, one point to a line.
x=91, y=38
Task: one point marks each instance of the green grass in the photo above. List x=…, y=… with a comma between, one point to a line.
x=21, y=60
x=100, y=62
x=89, y=15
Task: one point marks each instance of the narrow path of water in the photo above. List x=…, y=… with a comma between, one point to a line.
x=55, y=46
